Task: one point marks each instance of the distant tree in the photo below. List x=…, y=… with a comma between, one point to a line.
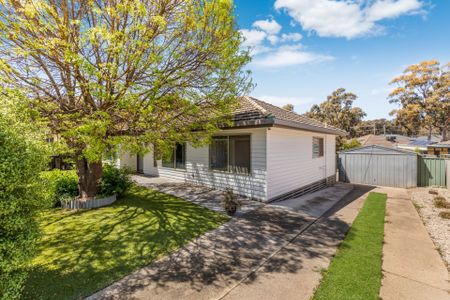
x=338, y=111
x=350, y=144
x=128, y=73
x=288, y=107
x=378, y=126
x=423, y=94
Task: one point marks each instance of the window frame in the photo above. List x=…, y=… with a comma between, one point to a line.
x=321, y=147
x=228, y=170
x=174, y=158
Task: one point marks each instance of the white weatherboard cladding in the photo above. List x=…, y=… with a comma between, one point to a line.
x=128, y=161
x=290, y=164
x=197, y=167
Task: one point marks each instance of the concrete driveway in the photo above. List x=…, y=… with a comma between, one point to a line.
x=275, y=251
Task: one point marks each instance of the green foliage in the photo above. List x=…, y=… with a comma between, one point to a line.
x=135, y=72
x=350, y=144
x=85, y=251
x=338, y=111
x=60, y=186
x=355, y=271
x=114, y=181
x=423, y=95
x=23, y=154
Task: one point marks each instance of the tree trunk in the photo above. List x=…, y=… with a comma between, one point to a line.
x=89, y=175
x=445, y=130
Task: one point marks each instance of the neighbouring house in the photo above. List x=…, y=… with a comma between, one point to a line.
x=388, y=140
x=268, y=154
x=420, y=144
x=439, y=149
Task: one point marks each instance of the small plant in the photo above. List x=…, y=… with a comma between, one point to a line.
x=60, y=186
x=433, y=192
x=441, y=202
x=231, y=203
x=114, y=181
x=418, y=206
x=445, y=215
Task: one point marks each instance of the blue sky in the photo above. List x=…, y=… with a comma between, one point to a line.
x=304, y=49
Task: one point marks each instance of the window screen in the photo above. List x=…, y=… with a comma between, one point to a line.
x=240, y=154
x=219, y=154
x=231, y=153
x=317, y=147
x=175, y=158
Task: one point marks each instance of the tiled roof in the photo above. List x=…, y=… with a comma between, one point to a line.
x=445, y=144
x=382, y=140
x=253, y=109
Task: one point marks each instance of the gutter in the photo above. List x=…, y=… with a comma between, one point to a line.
x=292, y=124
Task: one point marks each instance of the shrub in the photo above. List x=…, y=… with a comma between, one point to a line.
x=60, y=186
x=433, y=192
x=22, y=157
x=114, y=181
x=441, y=202
x=231, y=203
x=445, y=215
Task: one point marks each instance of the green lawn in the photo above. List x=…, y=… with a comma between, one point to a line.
x=82, y=252
x=355, y=272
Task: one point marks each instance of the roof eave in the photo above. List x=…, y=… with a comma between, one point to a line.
x=307, y=127
x=250, y=123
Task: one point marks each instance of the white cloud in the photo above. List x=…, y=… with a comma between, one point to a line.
x=392, y=9
x=289, y=56
x=350, y=18
x=273, y=39
x=291, y=37
x=252, y=37
x=271, y=27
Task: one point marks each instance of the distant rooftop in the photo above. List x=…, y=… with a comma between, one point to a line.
x=389, y=140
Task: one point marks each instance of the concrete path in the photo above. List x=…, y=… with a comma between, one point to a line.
x=268, y=252
x=201, y=195
x=412, y=267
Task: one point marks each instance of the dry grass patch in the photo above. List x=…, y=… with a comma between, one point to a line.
x=441, y=202
x=445, y=215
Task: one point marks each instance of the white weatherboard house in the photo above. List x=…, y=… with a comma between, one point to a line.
x=269, y=154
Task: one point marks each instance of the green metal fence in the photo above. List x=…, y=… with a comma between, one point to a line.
x=431, y=171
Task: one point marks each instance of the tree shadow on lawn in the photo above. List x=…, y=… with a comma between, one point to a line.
x=82, y=252
x=229, y=254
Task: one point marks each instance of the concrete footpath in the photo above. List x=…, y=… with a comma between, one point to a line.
x=275, y=252
x=412, y=267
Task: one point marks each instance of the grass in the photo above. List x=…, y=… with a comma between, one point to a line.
x=85, y=251
x=355, y=272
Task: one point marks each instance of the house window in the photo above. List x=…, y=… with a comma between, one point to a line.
x=177, y=158
x=230, y=154
x=317, y=147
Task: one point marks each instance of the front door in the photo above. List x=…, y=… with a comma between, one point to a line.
x=139, y=164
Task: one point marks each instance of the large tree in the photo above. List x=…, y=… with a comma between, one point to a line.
x=423, y=94
x=338, y=111
x=123, y=72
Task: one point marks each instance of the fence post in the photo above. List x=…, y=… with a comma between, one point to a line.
x=447, y=167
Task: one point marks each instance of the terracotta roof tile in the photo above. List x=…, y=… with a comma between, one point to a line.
x=254, y=109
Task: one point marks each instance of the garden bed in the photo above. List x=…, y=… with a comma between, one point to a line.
x=438, y=227
x=88, y=204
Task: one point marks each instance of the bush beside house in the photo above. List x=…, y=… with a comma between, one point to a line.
x=22, y=156
x=62, y=186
